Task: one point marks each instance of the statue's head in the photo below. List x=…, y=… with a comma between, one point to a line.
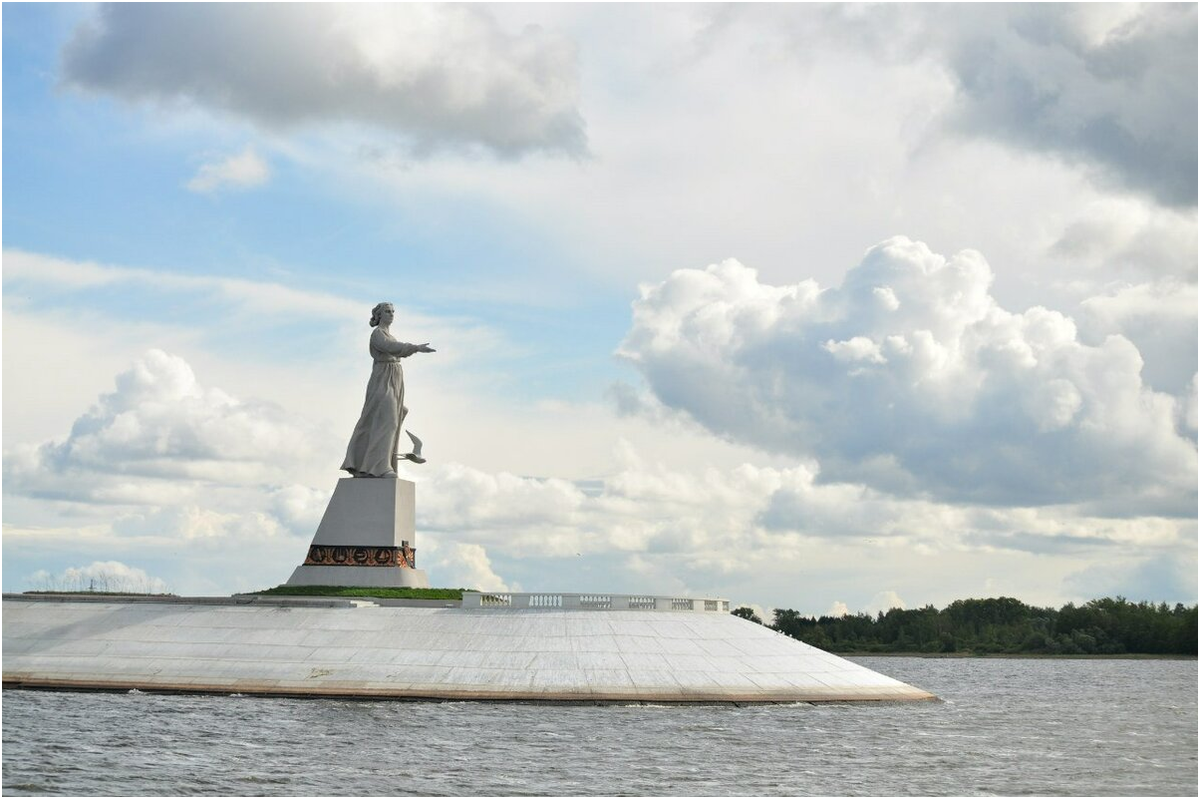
x=377, y=313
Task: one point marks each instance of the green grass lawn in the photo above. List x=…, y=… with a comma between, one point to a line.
x=382, y=593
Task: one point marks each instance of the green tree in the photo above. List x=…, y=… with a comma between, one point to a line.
x=746, y=613
x=1107, y=626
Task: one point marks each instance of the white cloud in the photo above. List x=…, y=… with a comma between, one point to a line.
x=194, y=522
x=766, y=616
x=931, y=389
x=838, y=609
x=1126, y=238
x=1164, y=301
x=641, y=508
x=948, y=395
x=161, y=424
x=845, y=131
x=770, y=517
x=105, y=576
x=1107, y=85
x=642, y=525
x=299, y=506
x=27, y=268
x=244, y=304
x=859, y=348
x=886, y=297
x=1169, y=578
x=435, y=75
x=304, y=351
x=468, y=566
x=1159, y=318
x=242, y=171
x=883, y=602
x=1187, y=411
x=1115, y=88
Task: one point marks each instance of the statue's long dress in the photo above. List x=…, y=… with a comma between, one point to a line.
x=373, y=445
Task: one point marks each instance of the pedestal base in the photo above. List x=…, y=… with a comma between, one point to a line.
x=359, y=576
x=367, y=537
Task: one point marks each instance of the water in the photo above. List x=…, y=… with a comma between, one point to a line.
x=1010, y=727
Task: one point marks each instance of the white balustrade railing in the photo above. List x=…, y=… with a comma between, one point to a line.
x=476, y=599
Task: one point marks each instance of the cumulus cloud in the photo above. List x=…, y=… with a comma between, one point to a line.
x=244, y=170
x=1134, y=265
x=468, y=566
x=838, y=609
x=160, y=429
x=696, y=518
x=942, y=393
x=1159, y=318
x=885, y=601
x=435, y=75
x=195, y=463
x=175, y=473
x=196, y=494
x=467, y=497
x=641, y=508
x=105, y=576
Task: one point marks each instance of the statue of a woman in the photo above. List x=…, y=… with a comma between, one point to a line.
x=372, y=449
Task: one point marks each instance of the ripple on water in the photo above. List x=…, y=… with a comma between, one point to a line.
x=1062, y=727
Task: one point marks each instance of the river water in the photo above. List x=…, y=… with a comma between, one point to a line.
x=1007, y=726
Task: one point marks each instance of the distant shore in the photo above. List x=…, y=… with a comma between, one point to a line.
x=1001, y=627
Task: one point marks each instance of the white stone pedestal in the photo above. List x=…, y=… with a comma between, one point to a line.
x=367, y=537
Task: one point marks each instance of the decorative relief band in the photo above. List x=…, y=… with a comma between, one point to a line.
x=403, y=557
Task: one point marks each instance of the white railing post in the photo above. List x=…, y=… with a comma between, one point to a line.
x=477, y=599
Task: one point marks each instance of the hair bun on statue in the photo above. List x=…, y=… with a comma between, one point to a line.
x=377, y=313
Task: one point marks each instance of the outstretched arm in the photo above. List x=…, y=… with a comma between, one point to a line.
x=388, y=344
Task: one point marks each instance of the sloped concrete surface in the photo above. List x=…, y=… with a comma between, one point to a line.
x=430, y=653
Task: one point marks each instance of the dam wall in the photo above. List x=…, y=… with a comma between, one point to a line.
x=497, y=649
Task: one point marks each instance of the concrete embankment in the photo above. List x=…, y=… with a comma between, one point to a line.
x=361, y=649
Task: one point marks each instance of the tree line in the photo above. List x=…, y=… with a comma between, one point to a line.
x=1001, y=626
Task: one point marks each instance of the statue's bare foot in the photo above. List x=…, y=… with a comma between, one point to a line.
x=389, y=473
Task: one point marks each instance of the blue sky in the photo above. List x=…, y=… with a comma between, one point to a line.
x=821, y=307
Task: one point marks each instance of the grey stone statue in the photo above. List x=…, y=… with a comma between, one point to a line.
x=373, y=446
